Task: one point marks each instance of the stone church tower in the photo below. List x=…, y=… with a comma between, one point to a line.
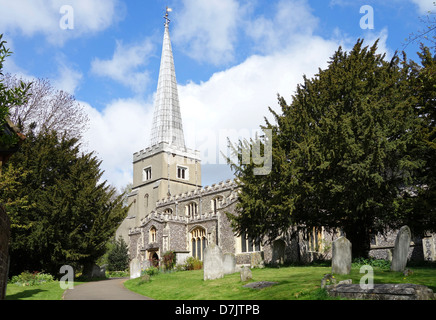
x=166, y=167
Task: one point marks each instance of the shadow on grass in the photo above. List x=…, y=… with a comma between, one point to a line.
x=24, y=294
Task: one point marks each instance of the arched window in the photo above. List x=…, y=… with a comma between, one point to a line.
x=168, y=211
x=152, y=235
x=198, y=242
x=191, y=209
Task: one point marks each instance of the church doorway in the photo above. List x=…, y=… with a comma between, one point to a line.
x=154, y=259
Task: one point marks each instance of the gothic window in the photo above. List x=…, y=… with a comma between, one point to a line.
x=249, y=244
x=146, y=174
x=198, y=242
x=152, y=235
x=182, y=173
x=191, y=209
x=168, y=211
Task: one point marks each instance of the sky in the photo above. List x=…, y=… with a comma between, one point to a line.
x=232, y=58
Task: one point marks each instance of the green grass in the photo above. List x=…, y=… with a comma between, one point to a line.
x=46, y=291
x=294, y=283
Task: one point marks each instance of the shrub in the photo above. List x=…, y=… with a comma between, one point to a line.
x=378, y=263
x=169, y=260
x=27, y=278
x=193, y=264
x=150, y=271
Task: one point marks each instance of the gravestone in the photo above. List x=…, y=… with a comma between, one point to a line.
x=135, y=269
x=213, y=262
x=246, y=274
x=341, y=256
x=401, y=249
x=229, y=263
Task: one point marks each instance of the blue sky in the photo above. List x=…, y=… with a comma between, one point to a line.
x=231, y=57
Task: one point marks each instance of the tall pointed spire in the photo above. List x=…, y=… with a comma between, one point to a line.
x=167, y=120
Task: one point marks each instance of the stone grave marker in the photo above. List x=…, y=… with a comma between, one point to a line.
x=341, y=256
x=212, y=262
x=401, y=249
x=135, y=269
x=246, y=274
x=229, y=263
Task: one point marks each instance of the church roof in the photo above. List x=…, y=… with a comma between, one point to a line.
x=167, y=120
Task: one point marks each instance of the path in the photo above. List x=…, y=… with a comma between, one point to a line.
x=111, y=289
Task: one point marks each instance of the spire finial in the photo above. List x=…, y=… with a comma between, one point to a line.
x=167, y=20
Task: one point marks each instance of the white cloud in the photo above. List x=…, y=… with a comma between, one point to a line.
x=291, y=20
x=43, y=16
x=206, y=30
x=124, y=64
x=68, y=80
x=115, y=133
x=424, y=6
x=236, y=100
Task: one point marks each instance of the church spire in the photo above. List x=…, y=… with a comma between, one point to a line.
x=167, y=121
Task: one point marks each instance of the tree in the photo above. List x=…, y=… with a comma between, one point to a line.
x=419, y=204
x=71, y=213
x=340, y=153
x=47, y=108
x=118, y=257
x=10, y=97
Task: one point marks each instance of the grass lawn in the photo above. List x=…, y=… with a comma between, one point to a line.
x=46, y=291
x=294, y=283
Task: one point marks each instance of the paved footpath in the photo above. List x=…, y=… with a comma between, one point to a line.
x=111, y=289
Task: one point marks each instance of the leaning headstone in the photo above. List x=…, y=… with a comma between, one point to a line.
x=229, y=263
x=213, y=262
x=341, y=256
x=401, y=249
x=246, y=274
x=135, y=269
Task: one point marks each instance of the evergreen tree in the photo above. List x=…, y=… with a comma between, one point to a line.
x=340, y=153
x=71, y=214
x=118, y=257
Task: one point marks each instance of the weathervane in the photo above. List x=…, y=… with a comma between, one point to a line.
x=167, y=22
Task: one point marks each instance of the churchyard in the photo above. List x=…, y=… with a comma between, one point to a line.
x=292, y=283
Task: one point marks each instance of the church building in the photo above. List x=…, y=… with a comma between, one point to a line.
x=171, y=211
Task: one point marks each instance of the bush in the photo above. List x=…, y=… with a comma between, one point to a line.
x=193, y=264
x=169, y=260
x=31, y=279
x=377, y=263
x=150, y=271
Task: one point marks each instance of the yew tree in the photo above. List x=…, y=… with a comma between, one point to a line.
x=341, y=153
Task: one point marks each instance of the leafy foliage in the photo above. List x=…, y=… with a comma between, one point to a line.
x=169, y=260
x=9, y=98
x=27, y=278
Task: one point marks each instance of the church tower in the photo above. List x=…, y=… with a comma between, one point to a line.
x=166, y=167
